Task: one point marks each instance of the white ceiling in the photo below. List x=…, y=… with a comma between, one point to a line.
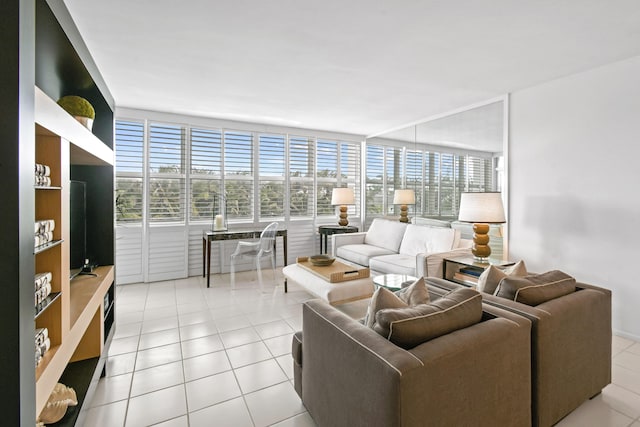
x=357, y=66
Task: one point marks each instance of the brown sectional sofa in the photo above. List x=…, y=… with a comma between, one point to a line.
x=571, y=347
x=349, y=375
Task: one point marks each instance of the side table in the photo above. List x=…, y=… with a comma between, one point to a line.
x=465, y=270
x=327, y=230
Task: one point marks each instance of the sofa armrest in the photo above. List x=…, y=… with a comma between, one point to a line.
x=430, y=265
x=346, y=239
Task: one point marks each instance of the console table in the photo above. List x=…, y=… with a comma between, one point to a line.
x=327, y=230
x=208, y=236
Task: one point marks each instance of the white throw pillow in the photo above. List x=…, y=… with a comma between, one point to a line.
x=420, y=239
x=385, y=234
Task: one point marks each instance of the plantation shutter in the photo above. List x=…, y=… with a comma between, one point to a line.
x=238, y=174
x=374, y=181
x=326, y=175
x=432, y=184
x=415, y=179
x=271, y=177
x=479, y=173
x=350, y=173
x=206, y=168
x=301, y=173
x=129, y=171
x=166, y=173
x=447, y=184
x=393, y=176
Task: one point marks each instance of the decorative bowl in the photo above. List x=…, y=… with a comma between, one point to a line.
x=321, y=260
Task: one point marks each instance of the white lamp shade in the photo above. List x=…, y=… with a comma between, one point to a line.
x=404, y=197
x=342, y=196
x=481, y=208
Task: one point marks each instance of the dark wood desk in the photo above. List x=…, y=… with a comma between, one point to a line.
x=208, y=236
x=327, y=230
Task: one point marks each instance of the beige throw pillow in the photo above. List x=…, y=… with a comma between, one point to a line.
x=382, y=298
x=411, y=326
x=536, y=289
x=414, y=294
x=489, y=279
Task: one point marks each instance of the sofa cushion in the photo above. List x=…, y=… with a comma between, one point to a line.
x=385, y=234
x=489, y=279
x=536, y=289
x=361, y=253
x=395, y=263
x=408, y=327
x=419, y=239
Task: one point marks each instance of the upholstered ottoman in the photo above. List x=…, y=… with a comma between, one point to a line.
x=333, y=293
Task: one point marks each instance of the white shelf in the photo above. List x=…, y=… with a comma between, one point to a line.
x=85, y=147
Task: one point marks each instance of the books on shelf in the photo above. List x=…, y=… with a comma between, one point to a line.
x=472, y=271
x=42, y=286
x=42, y=342
x=44, y=231
x=467, y=279
x=43, y=175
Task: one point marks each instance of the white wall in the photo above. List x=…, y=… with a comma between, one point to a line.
x=574, y=182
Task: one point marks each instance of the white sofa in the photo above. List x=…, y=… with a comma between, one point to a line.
x=395, y=247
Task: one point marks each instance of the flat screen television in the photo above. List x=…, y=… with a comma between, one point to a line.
x=78, y=226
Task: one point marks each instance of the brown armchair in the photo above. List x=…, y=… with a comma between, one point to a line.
x=349, y=375
x=571, y=347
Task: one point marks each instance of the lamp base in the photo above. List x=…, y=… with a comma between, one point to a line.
x=343, y=216
x=403, y=213
x=481, y=250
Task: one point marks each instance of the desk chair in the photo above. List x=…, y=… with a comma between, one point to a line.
x=256, y=250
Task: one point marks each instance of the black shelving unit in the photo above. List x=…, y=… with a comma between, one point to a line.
x=42, y=48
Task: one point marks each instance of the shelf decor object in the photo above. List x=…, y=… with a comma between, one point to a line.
x=79, y=108
x=343, y=197
x=403, y=198
x=219, y=213
x=481, y=209
x=61, y=398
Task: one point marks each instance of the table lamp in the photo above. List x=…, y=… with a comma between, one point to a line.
x=342, y=197
x=481, y=209
x=404, y=198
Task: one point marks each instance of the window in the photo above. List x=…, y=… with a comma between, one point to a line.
x=374, y=181
x=350, y=172
x=238, y=174
x=327, y=174
x=383, y=176
x=301, y=173
x=166, y=173
x=129, y=167
x=437, y=178
x=337, y=165
x=262, y=175
x=271, y=181
x=206, y=172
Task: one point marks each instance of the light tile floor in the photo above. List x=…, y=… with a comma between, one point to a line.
x=184, y=355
